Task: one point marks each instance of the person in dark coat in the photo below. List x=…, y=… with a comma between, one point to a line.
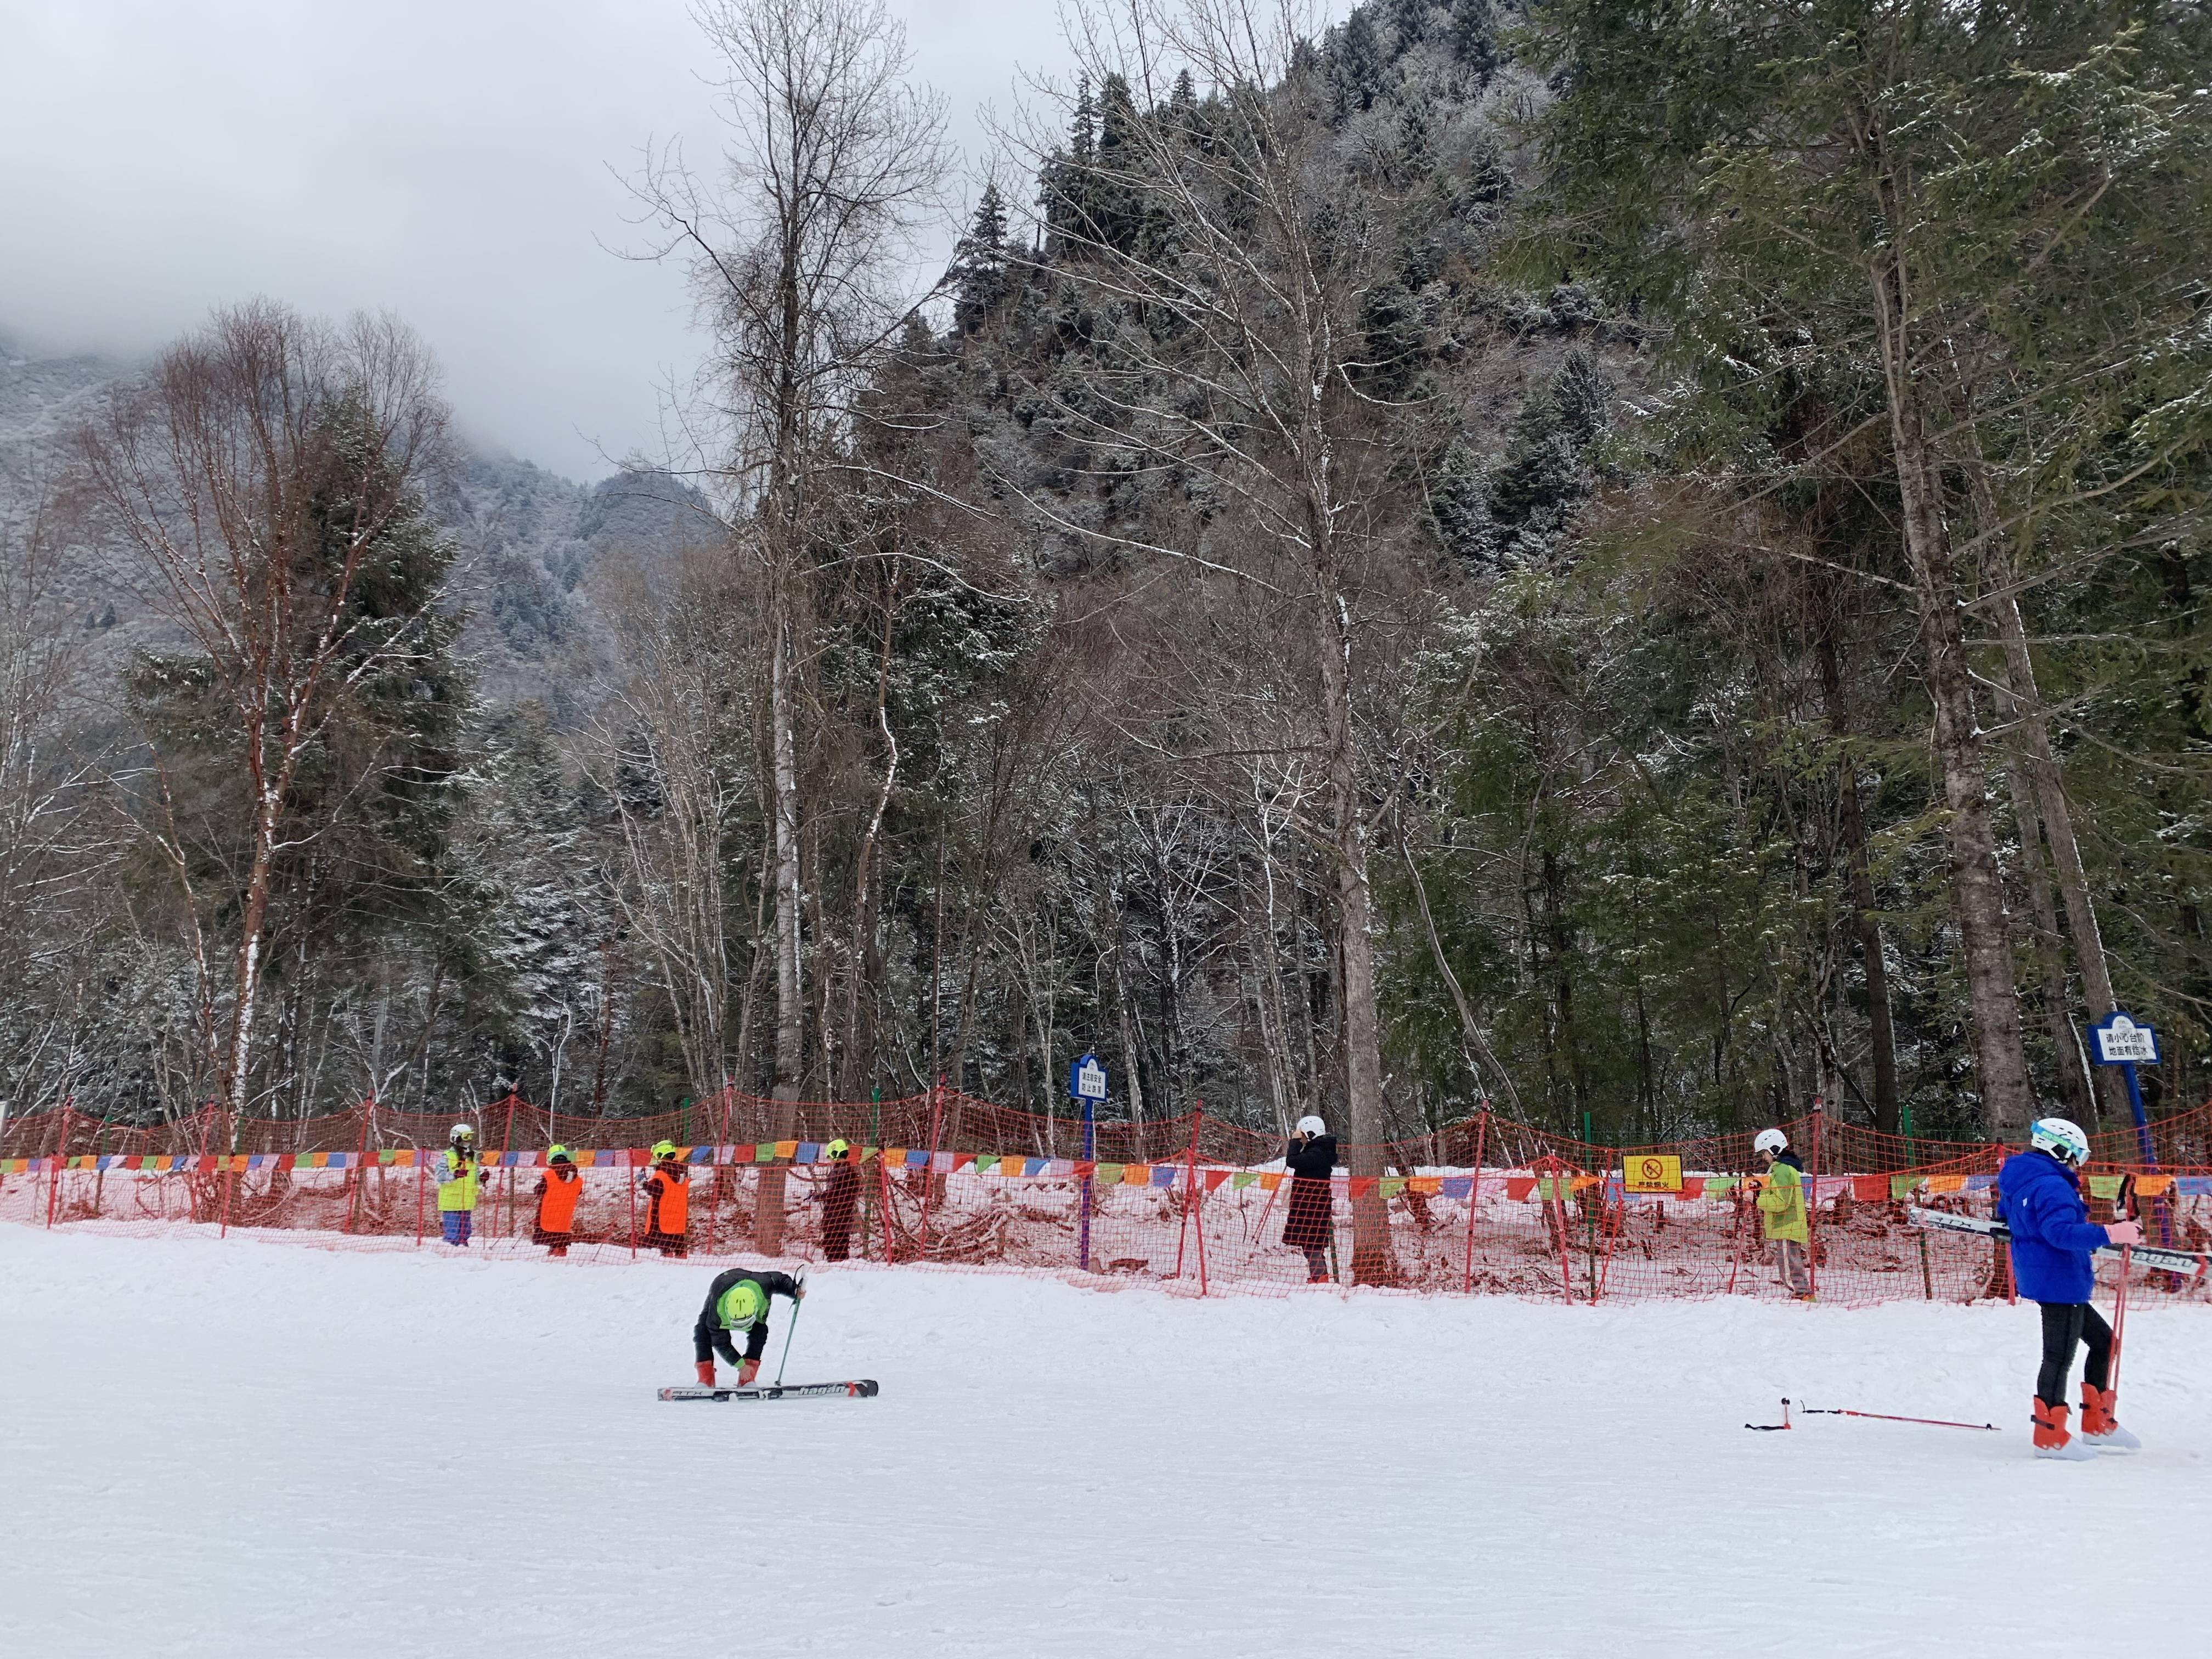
x=840, y=1193
x=737, y=1302
x=2053, y=1246
x=1309, y=1158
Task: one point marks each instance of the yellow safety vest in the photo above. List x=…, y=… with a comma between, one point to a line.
x=459, y=1193
x=1782, y=1205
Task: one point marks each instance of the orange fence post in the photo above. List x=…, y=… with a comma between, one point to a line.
x=1183, y=1226
x=1473, y=1197
x=361, y=1162
x=1559, y=1210
x=1735, y=1234
x=506, y=1142
x=421, y=1170
x=884, y=1185
x=1813, y=1208
x=1198, y=1203
x=61, y=1157
x=929, y=1175
x=629, y=1179
x=1605, y=1261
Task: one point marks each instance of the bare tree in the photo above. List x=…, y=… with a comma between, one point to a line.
x=798, y=244
x=252, y=470
x=1215, y=240
x=674, y=750
x=50, y=850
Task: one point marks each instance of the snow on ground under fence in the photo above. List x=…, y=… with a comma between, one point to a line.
x=1188, y=1203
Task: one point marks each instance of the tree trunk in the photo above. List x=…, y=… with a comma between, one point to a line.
x=2050, y=965
x=2048, y=785
x=1992, y=988
x=1371, y=1262
x=1881, y=1029
x=790, y=993
x=859, y=958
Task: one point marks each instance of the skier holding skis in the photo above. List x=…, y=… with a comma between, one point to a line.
x=459, y=1175
x=668, y=1197
x=1309, y=1158
x=557, y=1191
x=2052, y=1241
x=738, y=1300
x=1782, y=1211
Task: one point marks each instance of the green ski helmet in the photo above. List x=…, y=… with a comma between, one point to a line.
x=741, y=1305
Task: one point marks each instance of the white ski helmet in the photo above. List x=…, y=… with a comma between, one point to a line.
x=462, y=1131
x=1770, y=1140
x=1310, y=1125
x=2061, y=1138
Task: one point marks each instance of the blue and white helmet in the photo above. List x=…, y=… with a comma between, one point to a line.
x=2061, y=1138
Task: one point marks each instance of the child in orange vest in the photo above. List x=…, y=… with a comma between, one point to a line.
x=668, y=1196
x=557, y=1190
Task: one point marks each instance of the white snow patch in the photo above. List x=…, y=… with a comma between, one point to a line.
x=243, y=1448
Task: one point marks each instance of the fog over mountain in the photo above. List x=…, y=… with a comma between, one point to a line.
x=464, y=168
x=527, y=539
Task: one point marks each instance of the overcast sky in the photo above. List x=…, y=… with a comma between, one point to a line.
x=446, y=159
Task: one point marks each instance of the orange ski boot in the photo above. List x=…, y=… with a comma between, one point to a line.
x=2051, y=1439
x=2099, y=1430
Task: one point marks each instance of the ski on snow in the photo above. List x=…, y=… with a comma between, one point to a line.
x=2143, y=1256
x=860, y=1388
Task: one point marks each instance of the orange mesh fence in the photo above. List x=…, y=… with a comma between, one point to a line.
x=1191, y=1204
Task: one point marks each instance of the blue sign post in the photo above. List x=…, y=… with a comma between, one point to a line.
x=1086, y=1082
x=2117, y=1040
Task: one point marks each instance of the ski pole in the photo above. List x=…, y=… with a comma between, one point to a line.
x=2127, y=1207
x=792, y=1329
x=1885, y=1417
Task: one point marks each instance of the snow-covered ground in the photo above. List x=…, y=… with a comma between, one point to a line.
x=248, y=1447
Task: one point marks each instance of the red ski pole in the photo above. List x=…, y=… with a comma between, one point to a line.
x=2127, y=1208
x=1885, y=1417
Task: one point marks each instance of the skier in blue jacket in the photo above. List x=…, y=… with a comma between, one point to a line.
x=2053, y=1243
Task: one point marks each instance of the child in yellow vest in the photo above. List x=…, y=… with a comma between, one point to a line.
x=1782, y=1211
x=459, y=1175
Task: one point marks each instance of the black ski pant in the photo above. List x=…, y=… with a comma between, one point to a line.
x=2065, y=1325
x=710, y=1339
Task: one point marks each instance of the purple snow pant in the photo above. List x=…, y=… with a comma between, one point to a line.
x=455, y=1226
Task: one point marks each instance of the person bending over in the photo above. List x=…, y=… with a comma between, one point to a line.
x=737, y=1302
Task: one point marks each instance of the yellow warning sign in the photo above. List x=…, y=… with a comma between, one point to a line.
x=1651, y=1172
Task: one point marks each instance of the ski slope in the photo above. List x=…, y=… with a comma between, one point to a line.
x=252, y=1448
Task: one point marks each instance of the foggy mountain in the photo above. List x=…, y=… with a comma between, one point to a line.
x=526, y=540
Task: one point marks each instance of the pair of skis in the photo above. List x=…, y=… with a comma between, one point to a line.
x=2185, y=1262
x=859, y=1388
